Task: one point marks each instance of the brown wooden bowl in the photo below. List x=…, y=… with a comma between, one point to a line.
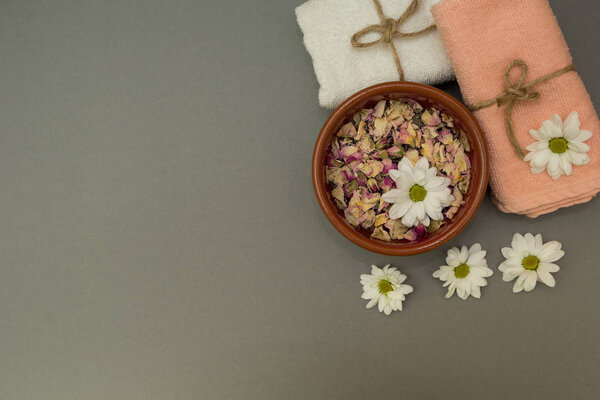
x=427, y=96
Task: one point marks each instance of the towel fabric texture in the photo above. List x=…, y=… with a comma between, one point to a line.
x=343, y=70
x=482, y=37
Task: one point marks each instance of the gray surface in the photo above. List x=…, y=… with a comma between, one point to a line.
x=159, y=237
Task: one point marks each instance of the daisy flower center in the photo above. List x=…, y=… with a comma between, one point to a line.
x=417, y=193
x=385, y=286
x=558, y=145
x=461, y=271
x=530, y=263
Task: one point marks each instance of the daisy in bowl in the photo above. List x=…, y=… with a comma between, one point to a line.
x=530, y=260
x=385, y=288
x=420, y=195
x=559, y=146
x=465, y=273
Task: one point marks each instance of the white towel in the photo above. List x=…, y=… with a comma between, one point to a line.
x=343, y=70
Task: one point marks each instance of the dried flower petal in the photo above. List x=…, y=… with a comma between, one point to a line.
x=353, y=214
x=381, y=219
x=415, y=233
x=412, y=155
x=372, y=185
x=347, y=130
x=431, y=117
x=380, y=233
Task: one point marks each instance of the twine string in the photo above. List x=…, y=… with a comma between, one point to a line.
x=388, y=30
x=516, y=93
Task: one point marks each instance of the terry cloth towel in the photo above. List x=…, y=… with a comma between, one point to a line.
x=482, y=37
x=343, y=70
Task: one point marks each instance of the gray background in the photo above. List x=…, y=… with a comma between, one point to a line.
x=159, y=236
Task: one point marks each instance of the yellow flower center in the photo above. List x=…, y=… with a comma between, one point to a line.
x=530, y=262
x=558, y=145
x=461, y=271
x=417, y=193
x=385, y=286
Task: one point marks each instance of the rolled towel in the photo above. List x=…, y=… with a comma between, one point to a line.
x=483, y=39
x=342, y=70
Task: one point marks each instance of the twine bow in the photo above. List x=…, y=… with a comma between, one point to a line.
x=388, y=30
x=518, y=92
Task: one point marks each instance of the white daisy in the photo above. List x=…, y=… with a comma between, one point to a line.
x=420, y=194
x=559, y=146
x=466, y=271
x=530, y=260
x=384, y=287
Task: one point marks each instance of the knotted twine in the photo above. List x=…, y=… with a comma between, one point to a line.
x=518, y=92
x=388, y=30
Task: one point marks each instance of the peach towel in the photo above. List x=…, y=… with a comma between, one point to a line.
x=482, y=37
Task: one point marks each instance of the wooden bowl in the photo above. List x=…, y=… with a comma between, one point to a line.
x=427, y=96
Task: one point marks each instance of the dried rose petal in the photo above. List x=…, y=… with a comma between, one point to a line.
x=347, y=151
x=380, y=127
x=415, y=233
x=381, y=219
x=353, y=214
x=431, y=117
x=372, y=185
x=380, y=233
x=395, y=151
x=412, y=155
x=387, y=184
x=434, y=226
x=406, y=135
x=367, y=220
x=347, y=130
x=388, y=164
x=357, y=156
x=371, y=168
x=379, y=109
x=398, y=230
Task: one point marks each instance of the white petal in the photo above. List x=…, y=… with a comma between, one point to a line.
x=557, y=123
x=545, y=277
x=539, y=158
x=475, y=291
x=530, y=281
x=578, y=158
x=571, y=126
x=464, y=254
x=410, y=217
x=383, y=300
x=517, y=287
x=406, y=289
x=507, y=252
x=579, y=147
x=554, y=166
x=536, y=135
x=419, y=208
x=399, y=210
x=395, y=196
x=551, y=252
x=376, y=271
x=422, y=164
x=518, y=243
x=565, y=165
x=550, y=267
x=373, y=301
x=582, y=136
x=405, y=165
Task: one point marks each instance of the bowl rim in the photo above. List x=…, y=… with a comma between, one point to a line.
x=478, y=188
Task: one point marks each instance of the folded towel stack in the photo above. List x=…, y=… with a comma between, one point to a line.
x=342, y=69
x=482, y=38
